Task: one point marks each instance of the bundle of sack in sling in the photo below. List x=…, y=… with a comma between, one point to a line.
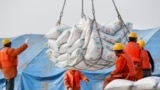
x=81, y=47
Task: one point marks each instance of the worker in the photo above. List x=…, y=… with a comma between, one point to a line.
x=9, y=61
x=134, y=50
x=148, y=64
x=124, y=68
x=72, y=79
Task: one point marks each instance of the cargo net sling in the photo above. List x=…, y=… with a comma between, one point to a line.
x=87, y=45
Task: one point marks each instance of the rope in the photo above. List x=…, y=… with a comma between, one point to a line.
x=61, y=14
x=119, y=17
x=98, y=30
x=82, y=13
x=93, y=11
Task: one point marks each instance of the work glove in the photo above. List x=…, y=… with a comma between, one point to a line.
x=26, y=41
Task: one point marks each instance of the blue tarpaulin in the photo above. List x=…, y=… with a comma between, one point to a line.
x=37, y=72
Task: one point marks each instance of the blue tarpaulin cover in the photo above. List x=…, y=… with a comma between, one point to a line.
x=37, y=72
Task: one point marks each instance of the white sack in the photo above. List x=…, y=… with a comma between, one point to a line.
x=74, y=35
x=52, y=55
x=63, y=48
x=158, y=86
x=91, y=62
x=109, y=38
x=61, y=64
x=148, y=83
x=122, y=34
x=63, y=57
x=76, y=56
x=94, y=65
x=63, y=37
x=107, y=44
x=52, y=44
x=94, y=48
x=112, y=27
x=89, y=21
x=56, y=31
x=98, y=64
x=108, y=55
x=81, y=65
x=81, y=45
x=82, y=23
x=62, y=60
x=119, y=84
x=49, y=53
x=86, y=33
x=78, y=44
x=97, y=26
x=105, y=63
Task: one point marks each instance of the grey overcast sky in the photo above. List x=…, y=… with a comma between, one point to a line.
x=19, y=17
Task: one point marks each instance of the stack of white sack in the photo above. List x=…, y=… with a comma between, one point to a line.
x=147, y=83
x=120, y=84
x=86, y=45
